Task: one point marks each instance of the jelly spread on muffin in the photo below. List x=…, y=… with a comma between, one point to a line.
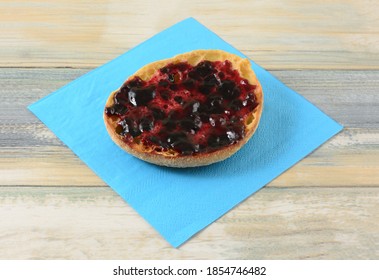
x=189, y=109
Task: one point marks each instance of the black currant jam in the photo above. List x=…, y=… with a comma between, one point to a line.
x=185, y=108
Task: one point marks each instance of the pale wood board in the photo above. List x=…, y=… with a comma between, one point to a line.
x=349, y=159
x=336, y=34
x=52, y=206
x=325, y=207
x=275, y=223
x=31, y=151
x=349, y=97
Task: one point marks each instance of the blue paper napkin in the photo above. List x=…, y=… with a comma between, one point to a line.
x=180, y=202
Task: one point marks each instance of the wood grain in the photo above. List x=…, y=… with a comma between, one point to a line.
x=291, y=34
x=344, y=95
x=31, y=151
x=349, y=159
x=83, y=223
x=52, y=206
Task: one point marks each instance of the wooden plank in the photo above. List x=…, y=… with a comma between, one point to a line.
x=349, y=159
x=339, y=34
x=88, y=223
x=341, y=94
x=32, y=155
x=325, y=207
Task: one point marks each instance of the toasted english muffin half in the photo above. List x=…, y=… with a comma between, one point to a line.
x=194, y=109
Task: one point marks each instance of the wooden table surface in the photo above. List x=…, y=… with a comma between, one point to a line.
x=52, y=206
